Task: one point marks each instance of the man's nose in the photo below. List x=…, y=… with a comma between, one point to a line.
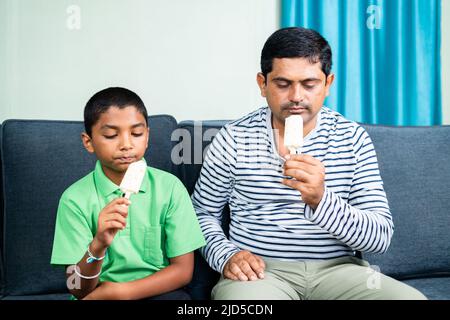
x=296, y=93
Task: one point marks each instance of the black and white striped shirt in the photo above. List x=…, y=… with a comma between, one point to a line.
x=243, y=168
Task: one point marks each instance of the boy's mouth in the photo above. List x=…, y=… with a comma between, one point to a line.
x=126, y=159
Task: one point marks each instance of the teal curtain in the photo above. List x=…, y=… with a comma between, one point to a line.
x=386, y=56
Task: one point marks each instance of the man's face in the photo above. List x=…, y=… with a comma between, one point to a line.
x=295, y=86
x=119, y=138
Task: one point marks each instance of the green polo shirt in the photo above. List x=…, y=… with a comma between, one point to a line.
x=161, y=224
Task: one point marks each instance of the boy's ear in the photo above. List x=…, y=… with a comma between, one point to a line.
x=87, y=142
x=148, y=137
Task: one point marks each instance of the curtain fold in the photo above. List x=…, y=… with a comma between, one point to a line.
x=386, y=56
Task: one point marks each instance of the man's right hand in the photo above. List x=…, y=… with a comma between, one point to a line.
x=111, y=219
x=244, y=266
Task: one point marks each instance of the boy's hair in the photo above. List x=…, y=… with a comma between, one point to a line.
x=295, y=42
x=110, y=97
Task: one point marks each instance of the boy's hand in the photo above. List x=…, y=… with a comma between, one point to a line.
x=111, y=219
x=309, y=177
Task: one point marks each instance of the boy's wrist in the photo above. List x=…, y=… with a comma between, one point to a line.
x=97, y=248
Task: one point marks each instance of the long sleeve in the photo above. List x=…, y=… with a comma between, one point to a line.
x=363, y=222
x=211, y=194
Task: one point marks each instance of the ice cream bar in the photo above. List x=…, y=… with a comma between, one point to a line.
x=132, y=180
x=293, y=133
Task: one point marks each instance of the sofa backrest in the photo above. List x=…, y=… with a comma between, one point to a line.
x=1, y=217
x=415, y=167
x=194, y=138
x=40, y=160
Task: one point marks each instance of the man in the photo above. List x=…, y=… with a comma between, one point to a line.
x=296, y=220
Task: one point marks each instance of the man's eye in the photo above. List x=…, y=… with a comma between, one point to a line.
x=137, y=134
x=282, y=85
x=309, y=86
x=111, y=136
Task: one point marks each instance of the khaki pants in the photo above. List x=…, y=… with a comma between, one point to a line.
x=346, y=278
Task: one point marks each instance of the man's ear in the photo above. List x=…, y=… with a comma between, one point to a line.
x=148, y=137
x=87, y=142
x=261, y=80
x=329, y=82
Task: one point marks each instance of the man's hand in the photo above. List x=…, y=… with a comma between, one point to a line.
x=111, y=219
x=244, y=266
x=309, y=177
x=109, y=291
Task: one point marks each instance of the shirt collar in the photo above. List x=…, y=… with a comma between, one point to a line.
x=107, y=187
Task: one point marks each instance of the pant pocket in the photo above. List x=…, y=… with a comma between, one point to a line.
x=153, y=245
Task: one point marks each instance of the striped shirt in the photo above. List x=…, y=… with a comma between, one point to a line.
x=243, y=168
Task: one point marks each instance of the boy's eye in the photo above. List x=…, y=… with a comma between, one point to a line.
x=137, y=134
x=110, y=136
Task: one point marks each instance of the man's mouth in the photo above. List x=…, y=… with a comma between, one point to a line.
x=295, y=108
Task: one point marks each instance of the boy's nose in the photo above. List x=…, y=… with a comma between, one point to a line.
x=125, y=143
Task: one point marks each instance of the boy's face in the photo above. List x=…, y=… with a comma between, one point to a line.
x=119, y=138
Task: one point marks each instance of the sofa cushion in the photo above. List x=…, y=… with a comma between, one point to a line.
x=55, y=296
x=414, y=165
x=41, y=159
x=436, y=288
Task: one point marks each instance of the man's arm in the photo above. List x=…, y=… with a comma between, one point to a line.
x=364, y=223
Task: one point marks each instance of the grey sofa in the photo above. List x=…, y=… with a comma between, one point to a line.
x=40, y=159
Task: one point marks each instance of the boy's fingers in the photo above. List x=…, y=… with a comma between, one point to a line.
x=113, y=224
x=116, y=217
x=121, y=209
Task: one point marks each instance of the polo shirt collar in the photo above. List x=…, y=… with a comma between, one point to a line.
x=107, y=187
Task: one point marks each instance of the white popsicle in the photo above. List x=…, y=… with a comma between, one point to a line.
x=132, y=180
x=293, y=133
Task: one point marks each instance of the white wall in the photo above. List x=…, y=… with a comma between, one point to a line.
x=445, y=56
x=193, y=59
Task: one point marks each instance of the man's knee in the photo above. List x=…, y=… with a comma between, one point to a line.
x=397, y=290
x=252, y=290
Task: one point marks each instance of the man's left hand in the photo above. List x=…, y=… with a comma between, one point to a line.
x=309, y=177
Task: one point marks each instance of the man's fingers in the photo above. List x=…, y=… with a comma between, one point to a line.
x=306, y=158
x=262, y=267
x=247, y=269
x=299, y=175
x=236, y=270
x=229, y=275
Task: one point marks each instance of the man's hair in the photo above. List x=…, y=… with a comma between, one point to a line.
x=295, y=42
x=107, y=98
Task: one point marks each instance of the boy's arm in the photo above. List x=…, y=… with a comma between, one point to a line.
x=174, y=276
x=83, y=287
x=111, y=219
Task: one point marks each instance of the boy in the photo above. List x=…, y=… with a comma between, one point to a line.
x=119, y=249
